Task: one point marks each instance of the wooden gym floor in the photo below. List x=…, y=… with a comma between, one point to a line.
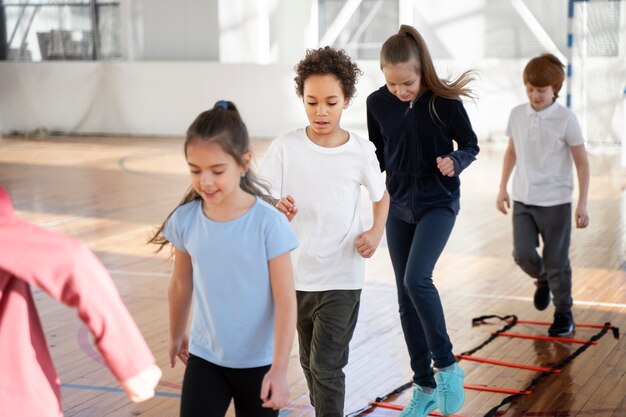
x=111, y=192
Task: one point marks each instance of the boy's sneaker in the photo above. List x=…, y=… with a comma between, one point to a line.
x=450, y=395
x=542, y=295
x=563, y=324
x=421, y=404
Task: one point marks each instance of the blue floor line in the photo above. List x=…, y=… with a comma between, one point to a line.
x=111, y=389
x=283, y=412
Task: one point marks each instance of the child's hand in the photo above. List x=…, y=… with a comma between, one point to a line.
x=367, y=242
x=446, y=166
x=287, y=206
x=582, y=217
x=141, y=386
x=503, y=202
x=179, y=348
x=274, y=390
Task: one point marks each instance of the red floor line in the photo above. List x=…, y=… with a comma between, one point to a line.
x=592, y=412
x=498, y=390
x=399, y=407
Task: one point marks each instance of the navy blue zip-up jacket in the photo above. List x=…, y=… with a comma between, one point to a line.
x=409, y=138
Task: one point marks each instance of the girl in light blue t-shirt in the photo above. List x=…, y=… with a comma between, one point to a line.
x=232, y=258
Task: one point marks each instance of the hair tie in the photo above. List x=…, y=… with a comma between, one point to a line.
x=222, y=104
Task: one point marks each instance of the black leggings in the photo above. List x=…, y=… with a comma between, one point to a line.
x=209, y=388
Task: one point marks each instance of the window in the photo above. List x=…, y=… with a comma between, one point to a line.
x=359, y=27
x=59, y=30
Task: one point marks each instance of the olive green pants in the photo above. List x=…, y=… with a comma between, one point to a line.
x=326, y=322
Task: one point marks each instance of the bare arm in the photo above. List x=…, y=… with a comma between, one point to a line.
x=579, y=154
x=275, y=390
x=179, y=296
x=368, y=241
x=503, y=202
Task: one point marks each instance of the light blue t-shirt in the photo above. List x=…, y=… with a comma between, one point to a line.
x=232, y=322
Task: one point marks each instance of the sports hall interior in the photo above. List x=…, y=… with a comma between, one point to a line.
x=95, y=99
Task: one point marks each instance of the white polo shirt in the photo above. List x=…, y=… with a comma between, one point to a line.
x=543, y=170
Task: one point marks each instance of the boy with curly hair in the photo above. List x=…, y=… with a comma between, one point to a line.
x=322, y=168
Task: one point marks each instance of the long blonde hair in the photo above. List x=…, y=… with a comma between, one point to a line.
x=408, y=45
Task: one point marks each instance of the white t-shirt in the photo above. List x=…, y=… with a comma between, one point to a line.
x=543, y=169
x=325, y=184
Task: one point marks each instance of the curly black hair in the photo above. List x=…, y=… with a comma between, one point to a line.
x=332, y=61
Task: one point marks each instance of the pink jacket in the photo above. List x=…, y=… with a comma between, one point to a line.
x=67, y=270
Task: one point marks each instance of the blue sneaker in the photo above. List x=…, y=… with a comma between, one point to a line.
x=450, y=395
x=421, y=404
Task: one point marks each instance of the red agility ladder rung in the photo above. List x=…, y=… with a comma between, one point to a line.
x=399, y=407
x=547, y=323
x=509, y=364
x=390, y=406
x=499, y=390
x=554, y=339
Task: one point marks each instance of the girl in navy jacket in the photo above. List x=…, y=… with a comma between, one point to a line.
x=413, y=121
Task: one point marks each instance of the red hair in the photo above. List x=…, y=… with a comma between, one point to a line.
x=545, y=70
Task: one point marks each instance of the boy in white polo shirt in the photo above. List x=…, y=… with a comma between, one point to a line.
x=544, y=138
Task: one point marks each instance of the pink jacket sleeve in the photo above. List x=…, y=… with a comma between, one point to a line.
x=67, y=270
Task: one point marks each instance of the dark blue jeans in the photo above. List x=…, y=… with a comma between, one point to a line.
x=554, y=225
x=414, y=249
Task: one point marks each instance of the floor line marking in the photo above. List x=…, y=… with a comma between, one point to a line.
x=138, y=273
x=377, y=286
x=113, y=389
x=516, y=298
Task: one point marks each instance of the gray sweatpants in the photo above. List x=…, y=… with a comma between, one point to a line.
x=554, y=226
